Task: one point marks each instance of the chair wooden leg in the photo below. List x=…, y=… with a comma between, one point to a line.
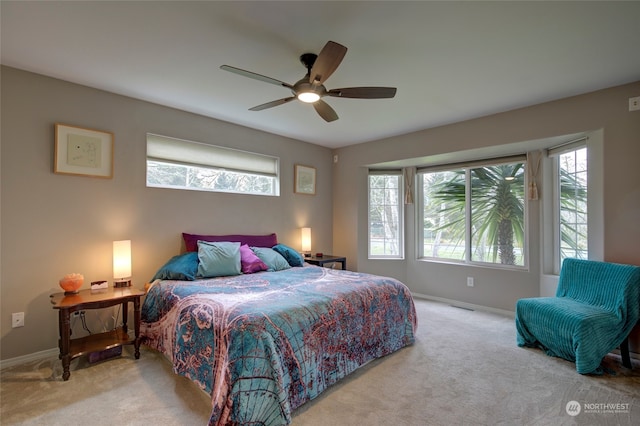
x=624, y=352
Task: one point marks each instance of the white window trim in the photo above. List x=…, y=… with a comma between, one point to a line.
x=401, y=231
x=467, y=166
x=550, y=259
x=169, y=150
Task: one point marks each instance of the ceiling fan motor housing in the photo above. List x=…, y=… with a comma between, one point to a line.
x=303, y=86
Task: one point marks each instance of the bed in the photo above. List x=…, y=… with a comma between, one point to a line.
x=263, y=343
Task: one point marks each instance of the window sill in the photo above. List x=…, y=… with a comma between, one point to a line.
x=496, y=266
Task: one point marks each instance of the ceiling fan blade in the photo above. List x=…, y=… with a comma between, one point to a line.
x=325, y=111
x=272, y=104
x=327, y=61
x=255, y=76
x=363, y=92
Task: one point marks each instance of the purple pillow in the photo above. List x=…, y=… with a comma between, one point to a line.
x=191, y=240
x=250, y=263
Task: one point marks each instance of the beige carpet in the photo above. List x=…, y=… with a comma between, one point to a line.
x=464, y=368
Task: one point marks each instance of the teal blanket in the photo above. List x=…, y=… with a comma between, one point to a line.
x=263, y=344
x=595, y=308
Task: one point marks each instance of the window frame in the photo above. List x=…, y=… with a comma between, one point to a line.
x=198, y=156
x=468, y=167
x=400, y=213
x=550, y=259
x=554, y=154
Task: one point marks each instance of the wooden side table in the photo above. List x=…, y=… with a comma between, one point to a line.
x=327, y=258
x=95, y=299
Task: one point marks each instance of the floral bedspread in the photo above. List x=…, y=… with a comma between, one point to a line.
x=263, y=344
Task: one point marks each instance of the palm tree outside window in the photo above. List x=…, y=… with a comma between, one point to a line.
x=572, y=190
x=475, y=214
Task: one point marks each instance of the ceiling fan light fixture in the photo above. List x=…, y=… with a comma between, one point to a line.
x=308, y=97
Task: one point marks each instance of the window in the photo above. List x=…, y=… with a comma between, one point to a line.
x=181, y=164
x=385, y=214
x=474, y=213
x=573, y=204
x=444, y=231
x=570, y=193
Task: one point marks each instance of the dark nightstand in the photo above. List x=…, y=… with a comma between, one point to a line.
x=95, y=299
x=327, y=258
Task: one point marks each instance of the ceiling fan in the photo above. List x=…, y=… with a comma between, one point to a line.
x=310, y=88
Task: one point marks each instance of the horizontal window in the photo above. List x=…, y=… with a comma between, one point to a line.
x=181, y=164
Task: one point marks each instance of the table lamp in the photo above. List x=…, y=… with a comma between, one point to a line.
x=306, y=241
x=122, y=263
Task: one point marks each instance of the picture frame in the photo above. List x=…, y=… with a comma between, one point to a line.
x=83, y=152
x=304, y=180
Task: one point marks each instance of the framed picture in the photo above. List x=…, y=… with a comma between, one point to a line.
x=305, y=180
x=83, y=152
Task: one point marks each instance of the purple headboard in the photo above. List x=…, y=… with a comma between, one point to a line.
x=191, y=240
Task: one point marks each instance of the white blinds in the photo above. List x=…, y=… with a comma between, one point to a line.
x=163, y=148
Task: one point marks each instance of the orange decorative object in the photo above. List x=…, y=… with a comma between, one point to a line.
x=70, y=283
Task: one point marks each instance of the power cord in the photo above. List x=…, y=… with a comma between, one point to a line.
x=83, y=319
x=84, y=322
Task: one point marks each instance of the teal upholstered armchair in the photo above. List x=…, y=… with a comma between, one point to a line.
x=596, y=306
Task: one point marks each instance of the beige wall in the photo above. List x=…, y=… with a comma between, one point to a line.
x=55, y=224
x=605, y=112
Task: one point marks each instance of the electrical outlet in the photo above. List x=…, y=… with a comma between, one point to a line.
x=634, y=104
x=17, y=319
x=469, y=281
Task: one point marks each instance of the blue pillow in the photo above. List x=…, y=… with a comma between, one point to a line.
x=290, y=255
x=181, y=267
x=218, y=259
x=271, y=258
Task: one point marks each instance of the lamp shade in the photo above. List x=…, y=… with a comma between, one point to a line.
x=306, y=239
x=121, y=259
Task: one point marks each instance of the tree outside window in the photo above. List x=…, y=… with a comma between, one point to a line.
x=573, y=224
x=494, y=196
x=385, y=216
x=205, y=178
x=444, y=220
x=478, y=214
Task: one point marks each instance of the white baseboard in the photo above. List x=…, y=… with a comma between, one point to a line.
x=11, y=362
x=465, y=305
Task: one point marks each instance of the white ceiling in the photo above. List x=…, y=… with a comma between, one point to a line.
x=450, y=61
